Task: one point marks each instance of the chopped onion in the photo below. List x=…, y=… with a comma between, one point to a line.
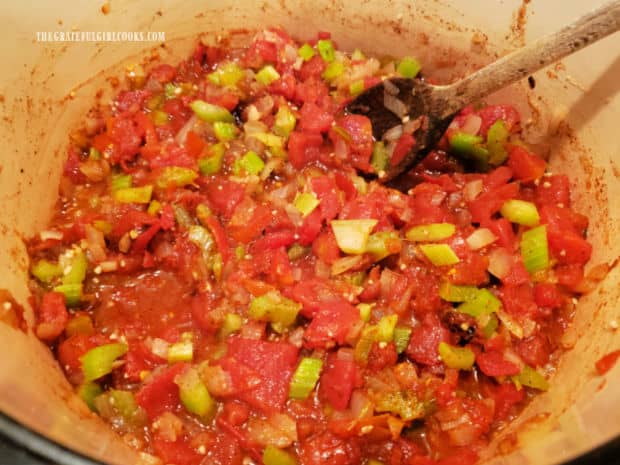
x=360, y=405
x=472, y=189
x=51, y=235
x=393, y=134
x=159, y=347
x=187, y=127
x=395, y=105
x=413, y=125
x=471, y=124
x=480, y=238
x=95, y=243
x=346, y=263
x=511, y=324
x=254, y=127
x=500, y=262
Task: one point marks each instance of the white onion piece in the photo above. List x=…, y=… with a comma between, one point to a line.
x=95, y=243
x=394, y=104
x=500, y=262
x=187, y=127
x=438, y=197
x=360, y=405
x=480, y=238
x=159, y=347
x=346, y=263
x=390, y=88
x=471, y=124
x=511, y=324
x=254, y=127
x=393, y=134
x=50, y=235
x=472, y=189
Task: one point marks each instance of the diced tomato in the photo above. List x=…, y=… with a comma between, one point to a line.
x=312, y=68
x=490, y=202
x=337, y=381
x=313, y=294
x=525, y=166
x=132, y=219
x=345, y=184
x=547, y=295
x=497, y=178
x=242, y=377
x=249, y=220
x=534, y=350
x=325, y=247
x=276, y=361
x=303, y=148
x=178, y=452
x=52, y=316
x=310, y=228
x=259, y=53
x=554, y=190
x=568, y=247
x=224, y=196
x=606, y=363
x=327, y=448
x=569, y=275
x=359, y=142
x=220, y=237
x=139, y=360
x=326, y=191
x=463, y=457
x=502, y=229
x=131, y=100
x=72, y=166
x=493, y=363
x=164, y=73
x=313, y=118
x=161, y=394
x=425, y=339
x=312, y=90
x=274, y=240
x=331, y=325
x=236, y=413
x=562, y=219
x=381, y=357
x=492, y=113
x=71, y=349
x=194, y=144
x=472, y=270
x=142, y=241
x=425, y=199
x=402, y=148
x=518, y=300
x=202, y=313
x=127, y=137
x=285, y=86
x=506, y=395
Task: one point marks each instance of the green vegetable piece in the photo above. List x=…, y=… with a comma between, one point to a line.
x=306, y=52
x=352, y=235
x=358, y=55
x=520, y=212
x=99, y=361
x=224, y=132
x=385, y=328
x=365, y=310
x=212, y=163
x=274, y=456
x=490, y=325
x=468, y=146
x=81, y=324
x=182, y=351
x=454, y=293
x=305, y=378
x=356, y=87
x=380, y=157
x=535, y=249
x=326, y=50
x=383, y=243
x=170, y=90
x=176, y=176
x=267, y=75
x=116, y=404
x=72, y=292
x=497, y=136
x=408, y=67
x=88, y=392
x=94, y=154
x=284, y=122
x=460, y=358
x=296, y=251
x=194, y=394
x=227, y=74
x=275, y=308
x=251, y=163
x=531, y=378
x=483, y=303
x=104, y=226
x=364, y=344
x=134, y=194
x=306, y=202
x=46, y=271
x=75, y=272
x=153, y=208
x=211, y=113
x=440, y=254
x=333, y=70
x=231, y=324
x=401, y=338
x=431, y=232
x=403, y=403
x=181, y=216
x=159, y=117
x=121, y=181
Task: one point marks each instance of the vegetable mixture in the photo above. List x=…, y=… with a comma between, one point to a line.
x=223, y=284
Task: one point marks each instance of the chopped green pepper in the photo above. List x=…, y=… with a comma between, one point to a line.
x=45, y=271
x=212, y=163
x=454, y=293
x=306, y=202
x=401, y=338
x=267, y=75
x=483, y=303
x=496, y=138
x=274, y=456
x=305, y=378
x=380, y=157
x=211, y=113
x=333, y=70
x=224, y=131
x=250, y=163
x=357, y=87
x=520, y=212
x=88, y=392
x=134, y=194
x=535, y=249
x=275, y=308
x=72, y=292
x=460, y=358
x=431, y=232
x=194, y=394
x=326, y=50
x=99, y=361
x=365, y=310
x=182, y=351
x=531, y=378
x=469, y=146
x=121, y=181
x=284, y=122
x=176, y=176
x=440, y=254
x=408, y=67
x=383, y=243
x=306, y=52
x=385, y=328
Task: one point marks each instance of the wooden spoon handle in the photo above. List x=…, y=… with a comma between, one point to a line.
x=520, y=63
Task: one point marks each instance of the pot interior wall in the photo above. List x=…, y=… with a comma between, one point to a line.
x=46, y=89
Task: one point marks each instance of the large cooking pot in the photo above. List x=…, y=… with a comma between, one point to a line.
x=572, y=113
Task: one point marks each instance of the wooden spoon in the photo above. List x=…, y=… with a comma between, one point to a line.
x=398, y=100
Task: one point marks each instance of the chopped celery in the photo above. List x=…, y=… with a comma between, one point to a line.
x=176, y=176
x=182, y=351
x=531, y=378
x=267, y=75
x=121, y=181
x=134, y=194
x=231, y=324
x=211, y=113
x=194, y=394
x=401, y=338
x=489, y=324
x=483, y=303
x=383, y=243
x=380, y=157
x=352, y=235
x=275, y=308
x=72, y=292
x=306, y=202
x=270, y=140
x=455, y=293
x=408, y=67
x=496, y=138
x=80, y=324
x=326, y=49
x=403, y=403
x=212, y=163
x=356, y=87
x=250, y=163
x=439, y=254
x=431, y=232
x=469, y=146
x=305, y=378
x=520, y=212
x=274, y=456
x=99, y=361
x=224, y=131
x=284, y=122
x=385, y=328
x=460, y=358
x=46, y=271
x=88, y=392
x=365, y=310
x=534, y=249
x=306, y=52
x=153, y=208
x=94, y=154
x=333, y=70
